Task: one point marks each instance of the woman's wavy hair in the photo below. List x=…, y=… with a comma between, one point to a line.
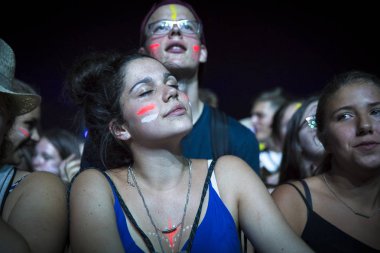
x=96, y=83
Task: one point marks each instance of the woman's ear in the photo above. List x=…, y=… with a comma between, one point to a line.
x=120, y=132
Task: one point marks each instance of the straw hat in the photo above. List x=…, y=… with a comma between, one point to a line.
x=21, y=102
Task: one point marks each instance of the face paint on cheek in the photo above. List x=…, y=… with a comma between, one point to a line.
x=143, y=111
x=173, y=11
x=153, y=48
x=149, y=118
x=186, y=96
x=25, y=133
x=196, y=50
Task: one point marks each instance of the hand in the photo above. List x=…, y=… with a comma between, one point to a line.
x=68, y=168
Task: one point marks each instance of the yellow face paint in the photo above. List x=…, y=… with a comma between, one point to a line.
x=173, y=11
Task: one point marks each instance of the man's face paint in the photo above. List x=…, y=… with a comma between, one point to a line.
x=196, y=50
x=148, y=113
x=153, y=48
x=173, y=11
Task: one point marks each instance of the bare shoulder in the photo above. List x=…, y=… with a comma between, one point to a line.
x=40, y=179
x=90, y=178
x=37, y=184
x=227, y=163
x=44, y=187
x=287, y=193
x=234, y=168
x=90, y=184
x=235, y=177
x=41, y=188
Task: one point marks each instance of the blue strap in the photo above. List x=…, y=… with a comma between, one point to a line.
x=7, y=173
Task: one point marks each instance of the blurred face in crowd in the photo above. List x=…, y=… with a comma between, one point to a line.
x=262, y=118
x=311, y=147
x=46, y=157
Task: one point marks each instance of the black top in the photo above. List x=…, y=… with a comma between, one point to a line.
x=323, y=236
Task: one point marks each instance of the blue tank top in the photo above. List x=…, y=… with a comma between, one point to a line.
x=216, y=233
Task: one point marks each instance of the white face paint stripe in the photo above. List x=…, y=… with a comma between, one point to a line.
x=149, y=118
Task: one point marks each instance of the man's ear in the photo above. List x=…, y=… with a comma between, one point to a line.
x=120, y=132
x=203, y=56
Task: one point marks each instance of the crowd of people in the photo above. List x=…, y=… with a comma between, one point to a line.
x=163, y=169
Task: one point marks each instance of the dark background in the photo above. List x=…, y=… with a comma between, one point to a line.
x=295, y=45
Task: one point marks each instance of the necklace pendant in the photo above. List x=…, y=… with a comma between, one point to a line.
x=169, y=230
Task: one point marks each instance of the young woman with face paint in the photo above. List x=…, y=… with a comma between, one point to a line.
x=151, y=198
x=172, y=33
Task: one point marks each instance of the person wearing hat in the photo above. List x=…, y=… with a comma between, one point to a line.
x=172, y=33
x=25, y=132
x=33, y=205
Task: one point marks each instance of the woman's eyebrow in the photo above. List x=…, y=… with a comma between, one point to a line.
x=143, y=81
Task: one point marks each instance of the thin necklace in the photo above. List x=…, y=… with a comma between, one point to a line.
x=344, y=203
x=173, y=228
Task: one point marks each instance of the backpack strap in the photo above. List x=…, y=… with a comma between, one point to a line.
x=7, y=174
x=219, y=133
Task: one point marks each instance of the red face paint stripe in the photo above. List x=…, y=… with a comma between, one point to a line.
x=196, y=48
x=24, y=132
x=145, y=109
x=154, y=46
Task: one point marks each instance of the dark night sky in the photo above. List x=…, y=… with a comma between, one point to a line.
x=297, y=45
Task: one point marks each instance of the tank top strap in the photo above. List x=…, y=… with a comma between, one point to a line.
x=307, y=200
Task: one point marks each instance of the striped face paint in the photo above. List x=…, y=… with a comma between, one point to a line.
x=173, y=11
x=148, y=113
x=25, y=133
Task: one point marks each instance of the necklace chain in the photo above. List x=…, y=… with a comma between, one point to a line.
x=131, y=172
x=344, y=203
